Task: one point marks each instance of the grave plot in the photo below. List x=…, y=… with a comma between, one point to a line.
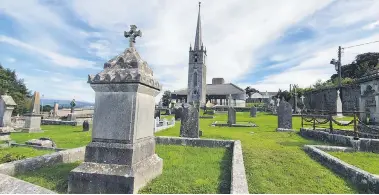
x=348, y=163
x=207, y=171
x=18, y=153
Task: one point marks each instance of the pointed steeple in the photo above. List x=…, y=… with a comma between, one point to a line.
x=198, y=40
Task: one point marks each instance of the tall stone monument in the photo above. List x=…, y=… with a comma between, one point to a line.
x=55, y=110
x=7, y=106
x=284, y=115
x=189, y=126
x=121, y=156
x=339, y=105
x=231, y=113
x=33, y=117
x=71, y=116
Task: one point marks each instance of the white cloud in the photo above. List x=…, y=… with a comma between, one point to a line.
x=58, y=59
x=372, y=25
x=11, y=60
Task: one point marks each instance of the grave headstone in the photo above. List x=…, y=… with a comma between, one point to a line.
x=178, y=113
x=33, y=118
x=231, y=116
x=285, y=115
x=7, y=105
x=85, y=125
x=121, y=156
x=164, y=122
x=157, y=113
x=253, y=112
x=189, y=126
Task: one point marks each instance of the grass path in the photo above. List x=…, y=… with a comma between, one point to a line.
x=274, y=162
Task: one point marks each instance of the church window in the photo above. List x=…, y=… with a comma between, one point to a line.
x=195, y=79
x=195, y=58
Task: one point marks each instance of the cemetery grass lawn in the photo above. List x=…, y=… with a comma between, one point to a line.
x=192, y=170
x=364, y=160
x=274, y=161
x=18, y=153
x=186, y=169
x=63, y=136
x=53, y=178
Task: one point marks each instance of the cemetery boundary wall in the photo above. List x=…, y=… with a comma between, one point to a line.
x=365, y=181
x=238, y=175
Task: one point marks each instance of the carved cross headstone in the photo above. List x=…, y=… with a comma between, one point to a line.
x=132, y=34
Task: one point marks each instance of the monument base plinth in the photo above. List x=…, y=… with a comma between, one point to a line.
x=5, y=136
x=32, y=123
x=95, y=178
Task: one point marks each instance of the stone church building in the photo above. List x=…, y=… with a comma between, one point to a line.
x=197, y=90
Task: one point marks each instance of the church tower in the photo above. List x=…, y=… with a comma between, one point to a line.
x=197, y=69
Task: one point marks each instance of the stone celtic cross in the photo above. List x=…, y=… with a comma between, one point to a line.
x=132, y=34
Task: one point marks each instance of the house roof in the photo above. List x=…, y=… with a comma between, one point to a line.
x=8, y=100
x=216, y=89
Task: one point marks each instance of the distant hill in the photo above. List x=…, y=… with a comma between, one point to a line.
x=66, y=103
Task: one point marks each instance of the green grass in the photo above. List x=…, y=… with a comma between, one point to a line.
x=53, y=178
x=18, y=153
x=363, y=160
x=335, y=126
x=63, y=136
x=274, y=162
x=207, y=171
x=193, y=170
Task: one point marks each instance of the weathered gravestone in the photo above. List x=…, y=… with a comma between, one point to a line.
x=42, y=142
x=121, y=156
x=231, y=116
x=7, y=106
x=284, y=115
x=157, y=113
x=178, y=113
x=85, y=125
x=55, y=110
x=189, y=126
x=253, y=112
x=33, y=118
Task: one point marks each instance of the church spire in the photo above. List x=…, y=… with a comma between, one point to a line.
x=198, y=40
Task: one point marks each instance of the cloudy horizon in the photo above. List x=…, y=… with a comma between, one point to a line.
x=53, y=45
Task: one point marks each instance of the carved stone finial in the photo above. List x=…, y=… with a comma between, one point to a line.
x=132, y=34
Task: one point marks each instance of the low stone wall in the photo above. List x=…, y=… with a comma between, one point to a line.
x=11, y=185
x=238, y=175
x=365, y=181
x=362, y=144
x=31, y=164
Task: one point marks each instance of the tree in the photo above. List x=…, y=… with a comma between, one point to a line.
x=166, y=98
x=46, y=108
x=250, y=91
x=16, y=88
x=283, y=95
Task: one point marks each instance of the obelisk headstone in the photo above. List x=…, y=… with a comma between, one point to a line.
x=121, y=157
x=33, y=118
x=339, y=105
x=55, y=111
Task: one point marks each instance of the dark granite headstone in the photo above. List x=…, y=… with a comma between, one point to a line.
x=285, y=115
x=253, y=112
x=178, y=113
x=85, y=126
x=231, y=116
x=189, y=126
x=157, y=113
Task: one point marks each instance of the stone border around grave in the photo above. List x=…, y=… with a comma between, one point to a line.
x=30, y=164
x=58, y=122
x=364, y=180
x=238, y=174
x=11, y=185
x=284, y=130
x=217, y=124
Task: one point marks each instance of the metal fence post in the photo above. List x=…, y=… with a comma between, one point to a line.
x=356, y=137
x=331, y=122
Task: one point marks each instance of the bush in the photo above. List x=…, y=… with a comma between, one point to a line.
x=9, y=158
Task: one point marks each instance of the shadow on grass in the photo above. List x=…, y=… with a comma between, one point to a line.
x=225, y=176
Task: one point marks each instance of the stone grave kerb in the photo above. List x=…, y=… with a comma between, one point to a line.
x=121, y=156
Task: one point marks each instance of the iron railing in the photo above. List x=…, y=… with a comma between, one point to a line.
x=320, y=118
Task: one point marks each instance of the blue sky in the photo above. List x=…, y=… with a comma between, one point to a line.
x=53, y=45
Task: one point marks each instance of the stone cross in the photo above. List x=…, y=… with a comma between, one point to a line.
x=72, y=104
x=302, y=99
x=132, y=34
x=230, y=100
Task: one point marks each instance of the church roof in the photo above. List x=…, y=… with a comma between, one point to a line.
x=216, y=89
